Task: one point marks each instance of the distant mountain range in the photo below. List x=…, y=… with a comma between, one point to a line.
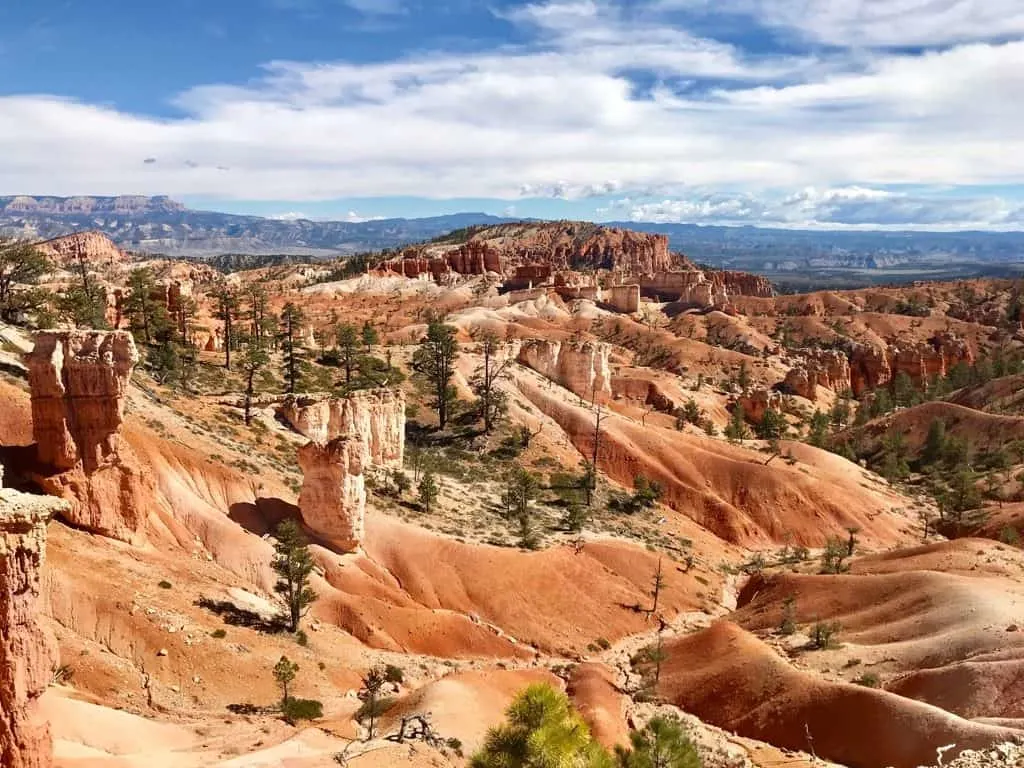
x=161, y=225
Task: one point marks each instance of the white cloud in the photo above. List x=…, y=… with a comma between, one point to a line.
x=558, y=118
x=832, y=207
x=878, y=23
x=377, y=7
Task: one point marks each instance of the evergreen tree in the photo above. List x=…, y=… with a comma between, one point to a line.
x=347, y=343
x=428, y=491
x=226, y=310
x=662, y=743
x=491, y=401
x=818, y=430
x=293, y=564
x=147, y=316
x=21, y=267
x=284, y=673
x=291, y=345
x=254, y=360
x=773, y=426
x=935, y=443
x=541, y=730
x=737, y=427
x=370, y=336
x=434, y=361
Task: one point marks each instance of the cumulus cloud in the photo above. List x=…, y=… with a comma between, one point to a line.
x=560, y=117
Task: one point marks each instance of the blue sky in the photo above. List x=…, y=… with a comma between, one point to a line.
x=800, y=113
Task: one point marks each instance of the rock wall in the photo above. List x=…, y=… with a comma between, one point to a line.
x=828, y=368
x=79, y=380
x=707, y=289
x=580, y=367
x=376, y=417
x=333, y=496
x=872, y=367
x=28, y=654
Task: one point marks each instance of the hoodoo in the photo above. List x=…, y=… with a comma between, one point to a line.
x=580, y=367
x=28, y=654
x=333, y=497
x=79, y=380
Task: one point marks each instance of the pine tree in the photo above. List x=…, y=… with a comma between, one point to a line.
x=434, y=362
x=737, y=427
x=254, y=360
x=21, y=266
x=291, y=346
x=284, y=673
x=293, y=564
x=541, y=729
x=494, y=367
x=226, y=310
x=347, y=343
x=428, y=491
x=370, y=336
x=662, y=743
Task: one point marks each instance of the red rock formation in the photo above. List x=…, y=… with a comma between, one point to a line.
x=757, y=403
x=96, y=248
x=706, y=288
x=505, y=248
x=28, y=654
x=79, y=380
x=873, y=367
x=580, y=367
x=375, y=417
x=333, y=496
x=822, y=368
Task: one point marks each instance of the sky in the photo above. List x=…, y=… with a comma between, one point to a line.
x=892, y=114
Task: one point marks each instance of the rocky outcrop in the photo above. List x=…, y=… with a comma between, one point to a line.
x=758, y=402
x=506, y=248
x=28, y=654
x=79, y=380
x=828, y=368
x=333, y=496
x=580, y=367
x=707, y=289
x=94, y=247
x=872, y=367
x=375, y=417
x=348, y=435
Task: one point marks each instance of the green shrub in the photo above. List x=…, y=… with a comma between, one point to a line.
x=868, y=680
x=603, y=644
x=375, y=708
x=220, y=634
x=302, y=638
x=823, y=635
x=394, y=674
x=165, y=585
x=295, y=710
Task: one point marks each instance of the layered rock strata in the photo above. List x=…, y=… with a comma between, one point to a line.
x=79, y=381
x=28, y=654
x=581, y=367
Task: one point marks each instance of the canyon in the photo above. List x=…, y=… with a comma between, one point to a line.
x=164, y=498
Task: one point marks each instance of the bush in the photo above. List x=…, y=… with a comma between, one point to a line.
x=603, y=644
x=394, y=674
x=868, y=680
x=302, y=638
x=375, y=708
x=220, y=634
x=165, y=585
x=823, y=635
x=301, y=709
x=455, y=745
